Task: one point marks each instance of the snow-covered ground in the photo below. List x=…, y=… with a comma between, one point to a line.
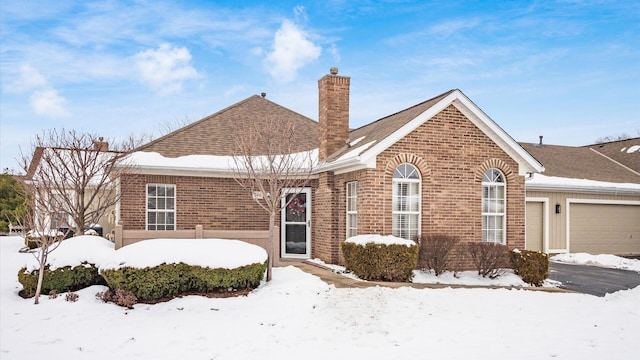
x=297, y=316
x=601, y=260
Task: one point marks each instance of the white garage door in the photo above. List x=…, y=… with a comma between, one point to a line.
x=534, y=226
x=604, y=229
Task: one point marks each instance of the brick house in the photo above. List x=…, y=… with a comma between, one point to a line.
x=441, y=166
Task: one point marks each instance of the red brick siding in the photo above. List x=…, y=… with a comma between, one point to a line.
x=333, y=114
x=451, y=154
x=214, y=203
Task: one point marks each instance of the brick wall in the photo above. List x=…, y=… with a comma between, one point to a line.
x=214, y=203
x=451, y=154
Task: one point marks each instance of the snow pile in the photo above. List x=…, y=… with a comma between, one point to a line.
x=632, y=149
x=379, y=239
x=210, y=253
x=76, y=250
x=602, y=260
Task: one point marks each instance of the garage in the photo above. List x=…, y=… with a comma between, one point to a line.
x=604, y=228
x=534, y=238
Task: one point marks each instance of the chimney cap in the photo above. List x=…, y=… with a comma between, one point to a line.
x=333, y=70
x=263, y=94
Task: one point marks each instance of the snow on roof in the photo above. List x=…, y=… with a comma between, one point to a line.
x=209, y=253
x=379, y=239
x=146, y=159
x=632, y=149
x=543, y=181
x=76, y=250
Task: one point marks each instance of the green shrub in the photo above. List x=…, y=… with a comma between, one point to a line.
x=171, y=280
x=531, y=266
x=61, y=279
x=377, y=262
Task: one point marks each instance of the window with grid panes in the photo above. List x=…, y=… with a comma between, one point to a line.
x=406, y=202
x=161, y=207
x=493, y=206
x=352, y=209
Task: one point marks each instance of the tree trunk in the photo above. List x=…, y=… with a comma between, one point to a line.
x=43, y=261
x=272, y=217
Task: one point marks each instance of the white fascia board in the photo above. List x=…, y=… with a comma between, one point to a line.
x=408, y=127
x=526, y=162
x=174, y=171
x=582, y=189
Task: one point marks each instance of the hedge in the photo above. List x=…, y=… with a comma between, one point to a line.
x=379, y=262
x=167, y=281
x=61, y=279
x=531, y=266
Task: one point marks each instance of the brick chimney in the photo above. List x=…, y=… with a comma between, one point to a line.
x=333, y=113
x=100, y=144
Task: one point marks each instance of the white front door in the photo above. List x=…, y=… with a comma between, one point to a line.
x=296, y=223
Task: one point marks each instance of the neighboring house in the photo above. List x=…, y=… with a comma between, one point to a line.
x=61, y=194
x=587, y=200
x=441, y=166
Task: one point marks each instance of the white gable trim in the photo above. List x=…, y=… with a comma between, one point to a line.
x=527, y=164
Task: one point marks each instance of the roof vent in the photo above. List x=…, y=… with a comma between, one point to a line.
x=333, y=71
x=540, y=140
x=264, y=94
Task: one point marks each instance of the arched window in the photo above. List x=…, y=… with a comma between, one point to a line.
x=406, y=202
x=493, y=206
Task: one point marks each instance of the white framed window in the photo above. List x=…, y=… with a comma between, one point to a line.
x=161, y=207
x=406, y=202
x=352, y=208
x=493, y=207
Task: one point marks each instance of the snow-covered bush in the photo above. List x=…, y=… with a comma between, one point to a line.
x=531, y=266
x=166, y=268
x=434, y=252
x=380, y=258
x=60, y=280
x=73, y=266
x=167, y=281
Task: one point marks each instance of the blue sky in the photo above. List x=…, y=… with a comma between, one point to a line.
x=568, y=70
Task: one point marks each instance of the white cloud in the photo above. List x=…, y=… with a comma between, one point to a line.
x=49, y=103
x=335, y=52
x=28, y=79
x=166, y=68
x=300, y=13
x=44, y=98
x=291, y=50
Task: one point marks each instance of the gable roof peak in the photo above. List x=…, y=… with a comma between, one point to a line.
x=215, y=134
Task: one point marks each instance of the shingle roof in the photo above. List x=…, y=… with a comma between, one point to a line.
x=579, y=163
x=382, y=128
x=215, y=134
x=626, y=152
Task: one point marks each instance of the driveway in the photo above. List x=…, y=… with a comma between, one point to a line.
x=591, y=279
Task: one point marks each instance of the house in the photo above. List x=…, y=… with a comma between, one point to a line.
x=440, y=166
x=71, y=181
x=587, y=200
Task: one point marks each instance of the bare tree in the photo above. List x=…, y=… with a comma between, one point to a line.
x=265, y=165
x=611, y=138
x=76, y=171
x=41, y=236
